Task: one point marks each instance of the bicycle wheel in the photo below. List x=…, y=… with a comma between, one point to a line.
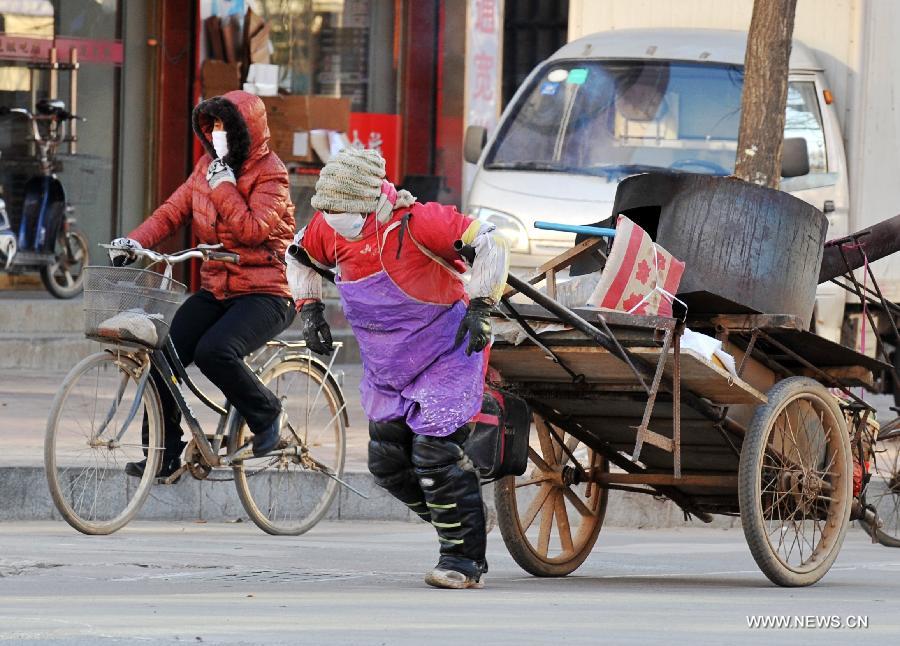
x=795, y=482
x=883, y=492
x=88, y=443
x=288, y=494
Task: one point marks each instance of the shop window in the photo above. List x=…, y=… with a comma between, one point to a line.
x=94, y=28
x=336, y=48
x=532, y=31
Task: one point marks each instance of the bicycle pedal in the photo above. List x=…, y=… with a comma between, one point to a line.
x=174, y=478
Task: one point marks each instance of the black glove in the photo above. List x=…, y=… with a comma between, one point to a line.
x=477, y=322
x=315, y=328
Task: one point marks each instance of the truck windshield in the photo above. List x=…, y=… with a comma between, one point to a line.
x=618, y=117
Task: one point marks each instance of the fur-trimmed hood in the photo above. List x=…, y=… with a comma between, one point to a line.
x=247, y=130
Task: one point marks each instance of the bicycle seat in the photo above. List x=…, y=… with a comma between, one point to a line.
x=55, y=107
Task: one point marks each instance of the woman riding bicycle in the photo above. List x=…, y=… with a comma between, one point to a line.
x=237, y=195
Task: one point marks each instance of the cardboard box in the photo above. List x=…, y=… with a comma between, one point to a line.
x=219, y=77
x=329, y=113
x=292, y=117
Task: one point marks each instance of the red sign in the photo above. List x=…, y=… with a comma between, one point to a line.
x=381, y=132
x=37, y=50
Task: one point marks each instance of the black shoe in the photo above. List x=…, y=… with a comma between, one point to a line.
x=167, y=468
x=267, y=440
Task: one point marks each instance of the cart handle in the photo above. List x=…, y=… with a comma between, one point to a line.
x=598, y=232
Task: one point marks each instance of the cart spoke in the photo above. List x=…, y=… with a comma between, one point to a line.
x=573, y=498
x=532, y=481
x=562, y=523
x=547, y=448
x=539, y=463
x=535, y=506
x=546, y=524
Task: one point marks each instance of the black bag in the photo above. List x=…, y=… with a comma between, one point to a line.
x=498, y=445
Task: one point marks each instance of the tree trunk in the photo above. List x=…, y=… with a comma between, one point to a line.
x=761, y=136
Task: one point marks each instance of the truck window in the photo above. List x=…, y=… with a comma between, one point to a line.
x=803, y=119
x=611, y=118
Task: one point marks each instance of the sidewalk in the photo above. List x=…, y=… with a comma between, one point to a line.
x=25, y=398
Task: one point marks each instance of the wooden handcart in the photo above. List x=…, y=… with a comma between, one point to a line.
x=618, y=404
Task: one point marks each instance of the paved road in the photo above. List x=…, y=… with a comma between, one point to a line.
x=361, y=583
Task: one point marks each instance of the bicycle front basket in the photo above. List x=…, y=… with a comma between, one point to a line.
x=129, y=306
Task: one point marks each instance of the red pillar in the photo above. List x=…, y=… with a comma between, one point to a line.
x=419, y=85
x=173, y=138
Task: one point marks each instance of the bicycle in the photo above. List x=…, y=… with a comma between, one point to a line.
x=96, y=421
x=880, y=495
x=44, y=238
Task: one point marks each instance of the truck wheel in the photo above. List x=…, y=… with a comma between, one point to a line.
x=795, y=482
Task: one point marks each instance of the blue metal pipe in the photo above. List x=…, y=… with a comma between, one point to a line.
x=575, y=228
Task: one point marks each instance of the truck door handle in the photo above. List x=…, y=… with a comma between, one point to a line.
x=828, y=207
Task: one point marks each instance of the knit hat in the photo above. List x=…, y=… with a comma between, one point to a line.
x=350, y=182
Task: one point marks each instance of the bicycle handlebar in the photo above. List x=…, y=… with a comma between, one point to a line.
x=61, y=115
x=203, y=252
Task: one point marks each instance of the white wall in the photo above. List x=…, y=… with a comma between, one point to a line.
x=874, y=147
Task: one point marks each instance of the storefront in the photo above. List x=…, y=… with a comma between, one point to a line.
x=88, y=32
x=400, y=64
x=415, y=74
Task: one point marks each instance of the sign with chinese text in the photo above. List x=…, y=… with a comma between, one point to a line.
x=38, y=49
x=484, y=54
x=381, y=132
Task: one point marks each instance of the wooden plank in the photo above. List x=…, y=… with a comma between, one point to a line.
x=749, y=322
x=614, y=319
x=692, y=480
x=847, y=375
x=660, y=441
x=527, y=363
x=708, y=380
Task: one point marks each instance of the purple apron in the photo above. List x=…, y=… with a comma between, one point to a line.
x=411, y=369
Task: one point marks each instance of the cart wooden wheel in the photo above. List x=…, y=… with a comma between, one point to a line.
x=796, y=482
x=550, y=524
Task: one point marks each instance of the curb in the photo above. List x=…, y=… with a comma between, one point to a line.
x=26, y=497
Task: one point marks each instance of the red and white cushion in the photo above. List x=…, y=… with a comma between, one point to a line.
x=640, y=277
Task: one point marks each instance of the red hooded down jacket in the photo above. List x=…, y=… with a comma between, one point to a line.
x=254, y=219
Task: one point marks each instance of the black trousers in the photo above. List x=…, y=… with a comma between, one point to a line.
x=434, y=478
x=217, y=335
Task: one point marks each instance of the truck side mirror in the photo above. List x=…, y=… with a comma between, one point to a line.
x=476, y=138
x=794, y=157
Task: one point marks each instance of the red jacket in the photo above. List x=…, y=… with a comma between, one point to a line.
x=434, y=226
x=254, y=219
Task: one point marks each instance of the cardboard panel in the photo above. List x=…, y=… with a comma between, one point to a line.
x=292, y=117
x=219, y=77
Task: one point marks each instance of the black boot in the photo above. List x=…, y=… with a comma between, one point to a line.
x=390, y=462
x=268, y=439
x=453, y=496
x=167, y=467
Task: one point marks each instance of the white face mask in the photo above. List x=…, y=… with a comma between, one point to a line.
x=349, y=225
x=220, y=142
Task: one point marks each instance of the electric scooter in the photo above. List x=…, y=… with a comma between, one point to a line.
x=42, y=237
